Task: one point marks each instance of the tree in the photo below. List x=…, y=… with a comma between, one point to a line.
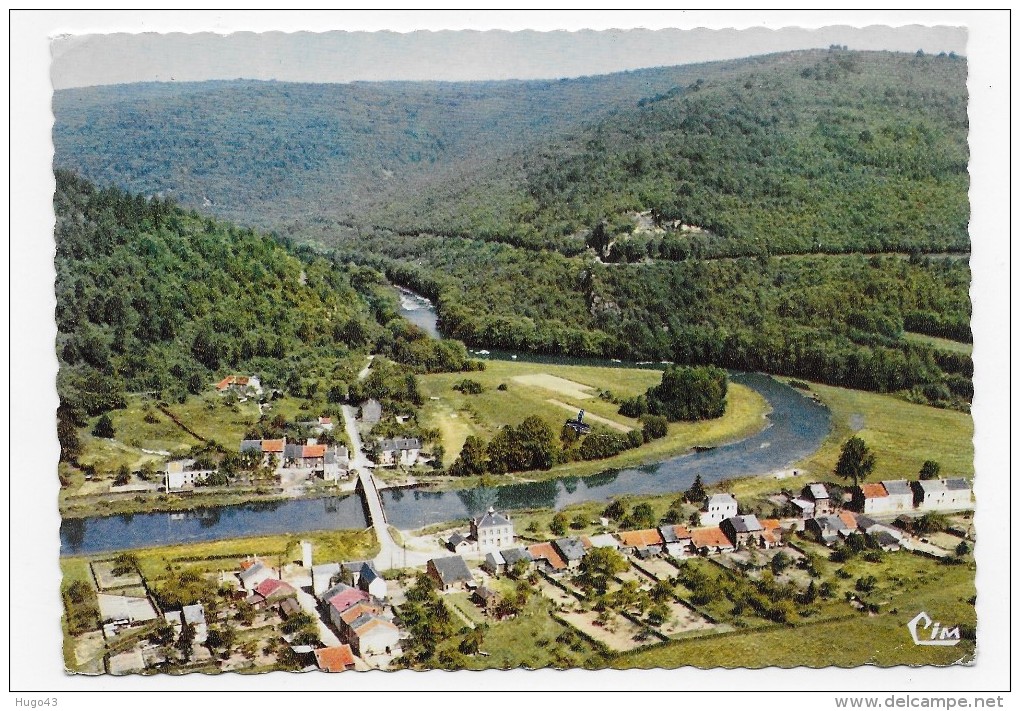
x=930, y=470
x=615, y=510
x=472, y=459
x=780, y=562
x=558, y=525
x=696, y=493
x=438, y=452
x=104, y=427
x=856, y=461
x=578, y=522
x=186, y=639
x=123, y=476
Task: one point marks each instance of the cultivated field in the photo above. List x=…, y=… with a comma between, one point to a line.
x=558, y=385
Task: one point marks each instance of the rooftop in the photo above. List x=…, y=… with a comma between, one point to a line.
x=452, y=569
x=492, y=518
x=334, y=659
x=643, y=537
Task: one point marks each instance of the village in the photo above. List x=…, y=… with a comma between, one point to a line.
x=613, y=588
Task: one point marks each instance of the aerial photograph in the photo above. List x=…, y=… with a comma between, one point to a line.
x=566, y=364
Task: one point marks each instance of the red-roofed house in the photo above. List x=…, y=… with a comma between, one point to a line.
x=643, y=541
x=871, y=498
x=240, y=383
x=545, y=554
x=271, y=592
x=339, y=604
x=710, y=539
x=335, y=659
x=849, y=519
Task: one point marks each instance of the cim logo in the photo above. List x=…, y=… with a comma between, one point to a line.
x=939, y=636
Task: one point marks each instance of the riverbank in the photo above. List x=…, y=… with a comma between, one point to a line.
x=131, y=503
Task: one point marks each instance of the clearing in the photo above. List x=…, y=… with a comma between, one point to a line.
x=557, y=384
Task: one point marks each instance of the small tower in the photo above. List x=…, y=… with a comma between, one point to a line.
x=306, y=554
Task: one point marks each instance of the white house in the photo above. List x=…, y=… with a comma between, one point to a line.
x=943, y=494
x=492, y=531
x=717, y=508
x=179, y=475
x=404, y=451
x=253, y=573
x=901, y=496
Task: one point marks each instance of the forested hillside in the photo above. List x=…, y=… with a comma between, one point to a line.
x=824, y=151
x=266, y=153
x=153, y=298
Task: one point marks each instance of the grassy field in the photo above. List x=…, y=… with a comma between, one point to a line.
x=907, y=584
x=457, y=415
x=902, y=435
x=227, y=554
x=941, y=343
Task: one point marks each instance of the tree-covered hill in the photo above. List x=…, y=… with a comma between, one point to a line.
x=265, y=153
x=820, y=151
x=152, y=298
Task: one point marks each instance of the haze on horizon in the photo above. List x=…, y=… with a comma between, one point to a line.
x=465, y=55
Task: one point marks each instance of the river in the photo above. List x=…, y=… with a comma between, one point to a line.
x=796, y=427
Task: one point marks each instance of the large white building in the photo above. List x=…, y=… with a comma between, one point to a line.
x=492, y=530
x=403, y=451
x=717, y=508
x=179, y=475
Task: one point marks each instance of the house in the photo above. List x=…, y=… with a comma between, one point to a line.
x=180, y=474
x=709, y=540
x=459, y=543
x=718, y=507
x=817, y=494
x=485, y=597
x=644, y=542
x=802, y=508
x=942, y=494
x=676, y=540
x=371, y=412
x=306, y=456
x=370, y=634
x=336, y=464
x=272, y=450
x=871, y=498
x=271, y=592
x=492, y=530
x=335, y=659
x=241, y=384
x=829, y=529
x=402, y=450
x=772, y=533
x=742, y=530
x=371, y=581
x=449, y=573
x=193, y=615
x=900, y=495
x=343, y=601
x=571, y=551
x=494, y=563
x=253, y=573
x=322, y=574
x=511, y=557
x=546, y=557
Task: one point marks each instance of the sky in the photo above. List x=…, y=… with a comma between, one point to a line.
x=340, y=56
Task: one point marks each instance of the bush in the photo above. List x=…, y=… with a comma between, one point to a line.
x=654, y=426
x=469, y=387
x=104, y=427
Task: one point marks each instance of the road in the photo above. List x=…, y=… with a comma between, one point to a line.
x=391, y=553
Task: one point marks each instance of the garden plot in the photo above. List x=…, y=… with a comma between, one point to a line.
x=660, y=568
x=683, y=620
x=618, y=633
